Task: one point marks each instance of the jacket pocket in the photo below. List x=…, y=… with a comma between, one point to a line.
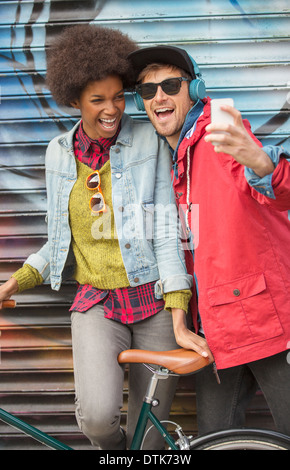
x=245, y=311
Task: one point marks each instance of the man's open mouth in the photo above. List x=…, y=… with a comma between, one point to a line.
x=163, y=113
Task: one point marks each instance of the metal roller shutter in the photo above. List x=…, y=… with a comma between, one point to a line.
x=242, y=48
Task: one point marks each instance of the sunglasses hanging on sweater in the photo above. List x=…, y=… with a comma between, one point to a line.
x=97, y=201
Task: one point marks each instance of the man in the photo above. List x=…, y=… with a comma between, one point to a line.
x=241, y=265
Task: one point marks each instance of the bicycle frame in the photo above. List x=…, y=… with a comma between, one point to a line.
x=32, y=431
x=230, y=436
x=147, y=415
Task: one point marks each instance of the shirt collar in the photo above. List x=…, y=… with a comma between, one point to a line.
x=85, y=141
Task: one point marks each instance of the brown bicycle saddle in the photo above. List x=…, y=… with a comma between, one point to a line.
x=179, y=361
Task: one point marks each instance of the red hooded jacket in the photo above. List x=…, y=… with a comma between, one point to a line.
x=241, y=257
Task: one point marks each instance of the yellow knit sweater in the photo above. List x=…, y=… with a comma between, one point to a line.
x=96, y=248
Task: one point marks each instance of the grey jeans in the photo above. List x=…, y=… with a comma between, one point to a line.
x=99, y=378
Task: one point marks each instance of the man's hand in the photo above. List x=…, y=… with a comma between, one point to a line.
x=235, y=141
x=186, y=338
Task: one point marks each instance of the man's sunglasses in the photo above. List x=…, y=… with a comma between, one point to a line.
x=170, y=86
x=97, y=201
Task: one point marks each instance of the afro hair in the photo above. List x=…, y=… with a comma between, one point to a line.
x=86, y=53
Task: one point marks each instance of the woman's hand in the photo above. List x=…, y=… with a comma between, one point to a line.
x=7, y=289
x=186, y=338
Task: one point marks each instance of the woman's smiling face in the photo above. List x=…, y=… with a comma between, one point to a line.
x=102, y=104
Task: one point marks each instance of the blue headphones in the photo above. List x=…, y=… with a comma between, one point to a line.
x=197, y=89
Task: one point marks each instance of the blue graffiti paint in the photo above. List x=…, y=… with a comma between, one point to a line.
x=238, y=7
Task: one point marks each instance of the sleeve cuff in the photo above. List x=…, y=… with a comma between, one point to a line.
x=27, y=277
x=264, y=185
x=178, y=299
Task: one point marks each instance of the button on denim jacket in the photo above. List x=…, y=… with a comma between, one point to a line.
x=145, y=215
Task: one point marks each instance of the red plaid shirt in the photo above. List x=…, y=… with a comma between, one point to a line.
x=94, y=153
x=129, y=304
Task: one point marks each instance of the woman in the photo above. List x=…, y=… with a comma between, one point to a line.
x=108, y=188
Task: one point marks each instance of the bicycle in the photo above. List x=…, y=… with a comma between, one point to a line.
x=178, y=362
x=167, y=363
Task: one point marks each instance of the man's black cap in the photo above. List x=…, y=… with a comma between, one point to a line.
x=161, y=55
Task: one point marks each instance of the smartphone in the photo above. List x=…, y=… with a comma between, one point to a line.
x=219, y=116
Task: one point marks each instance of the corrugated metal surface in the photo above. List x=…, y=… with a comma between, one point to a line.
x=242, y=48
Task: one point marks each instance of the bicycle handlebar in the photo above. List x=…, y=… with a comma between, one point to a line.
x=8, y=303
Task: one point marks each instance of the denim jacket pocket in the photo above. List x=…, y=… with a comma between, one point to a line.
x=245, y=311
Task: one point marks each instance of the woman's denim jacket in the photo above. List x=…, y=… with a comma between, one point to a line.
x=145, y=216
